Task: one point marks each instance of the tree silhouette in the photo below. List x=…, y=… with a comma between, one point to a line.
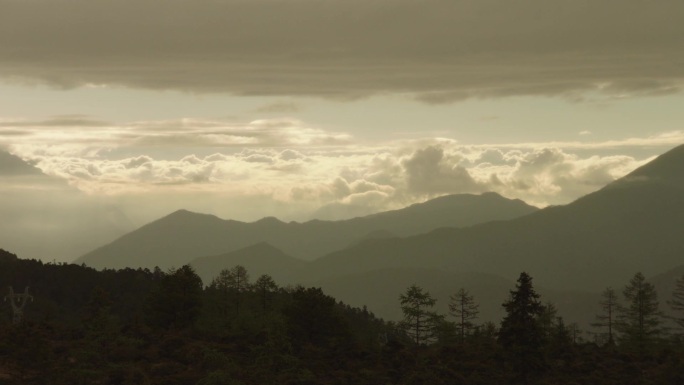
x=609, y=305
x=419, y=322
x=548, y=319
x=265, y=286
x=178, y=300
x=463, y=307
x=232, y=282
x=314, y=319
x=677, y=301
x=520, y=334
x=639, y=319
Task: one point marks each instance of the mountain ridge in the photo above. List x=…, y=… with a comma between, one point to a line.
x=604, y=236
x=186, y=235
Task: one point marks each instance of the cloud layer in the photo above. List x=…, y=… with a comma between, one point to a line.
x=293, y=168
x=436, y=50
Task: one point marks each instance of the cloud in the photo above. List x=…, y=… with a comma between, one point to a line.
x=429, y=172
x=438, y=51
x=279, y=108
x=60, y=121
x=303, y=168
x=60, y=136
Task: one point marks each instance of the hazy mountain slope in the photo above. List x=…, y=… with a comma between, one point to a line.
x=43, y=217
x=182, y=236
x=665, y=283
x=380, y=290
x=599, y=240
x=258, y=259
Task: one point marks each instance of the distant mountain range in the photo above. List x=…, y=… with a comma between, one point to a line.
x=480, y=243
x=183, y=236
x=634, y=224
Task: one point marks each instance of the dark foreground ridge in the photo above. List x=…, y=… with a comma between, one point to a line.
x=153, y=327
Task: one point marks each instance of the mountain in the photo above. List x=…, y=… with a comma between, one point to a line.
x=379, y=290
x=44, y=217
x=12, y=165
x=258, y=259
x=182, y=236
x=634, y=224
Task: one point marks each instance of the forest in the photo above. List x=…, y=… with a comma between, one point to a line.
x=77, y=325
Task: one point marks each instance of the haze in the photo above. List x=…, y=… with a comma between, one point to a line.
x=115, y=113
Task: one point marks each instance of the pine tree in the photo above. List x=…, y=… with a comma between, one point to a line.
x=178, y=301
x=265, y=286
x=610, y=305
x=419, y=322
x=231, y=282
x=677, y=301
x=520, y=334
x=463, y=307
x=547, y=319
x=640, y=319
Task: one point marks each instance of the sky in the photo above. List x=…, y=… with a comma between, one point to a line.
x=299, y=109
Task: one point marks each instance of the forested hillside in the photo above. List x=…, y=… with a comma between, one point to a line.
x=81, y=326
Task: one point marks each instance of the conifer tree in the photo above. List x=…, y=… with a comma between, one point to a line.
x=419, y=321
x=520, y=334
x=610, y=305
x=677, y=301
x=463, y=307
x=548, y=319
x=640, y=319
x=265, y=286
x=232, y=282
x=178, y=301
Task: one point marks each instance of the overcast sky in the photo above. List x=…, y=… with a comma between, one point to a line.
x=330, y=108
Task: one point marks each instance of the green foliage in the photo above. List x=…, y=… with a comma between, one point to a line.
x=231, y=283
x=178, y=300
x=463, y=307
x=640, y=319
x=677, y=301
x=607, y=320
x=521, y=334
x=305, y=337
x=313, y=318
x=265, y=286
x=419, y=323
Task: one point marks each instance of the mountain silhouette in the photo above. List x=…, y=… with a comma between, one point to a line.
x=12, y=165
x=602, y=239
x=44, y=217
x=258, y=259
x=183, y=236
x=667, y=169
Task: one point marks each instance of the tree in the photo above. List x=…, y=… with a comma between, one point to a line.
x=419, y=322
x=178, y=300
x=520, y=334
x=463, y=307
x=677, y=301
x=548, y=319
x=640, y=319
x=609, y=305
x=314, y=318
x=265, y=286
x=231, y=282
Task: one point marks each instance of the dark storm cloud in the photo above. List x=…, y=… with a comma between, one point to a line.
x=59, y=122
x=437, y=50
